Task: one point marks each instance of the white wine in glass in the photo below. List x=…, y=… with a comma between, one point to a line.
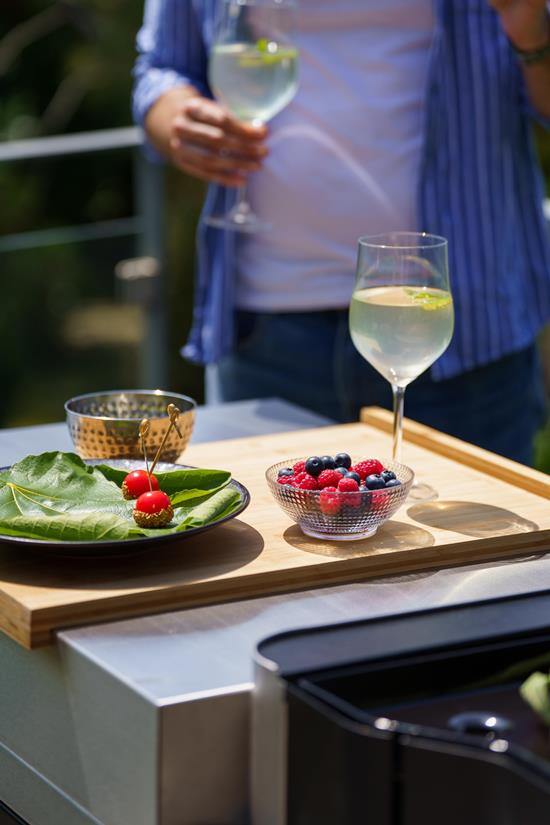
x=401, y=314
x=254, y=83
x=253, y=71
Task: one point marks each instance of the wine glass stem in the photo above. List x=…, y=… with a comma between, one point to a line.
x=242, y=207
x=398, y=399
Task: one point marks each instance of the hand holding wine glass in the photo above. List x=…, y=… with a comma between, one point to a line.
x=207, y=142
x=253, y=72
x=401, y=313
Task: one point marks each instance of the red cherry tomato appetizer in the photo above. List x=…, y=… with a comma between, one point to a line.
x=153, y=509
x=137, y=482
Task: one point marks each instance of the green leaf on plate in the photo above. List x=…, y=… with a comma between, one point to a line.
x=211, y=509
x=219, y=505
x=57, y=497
x=181, y=485
x=69, y=527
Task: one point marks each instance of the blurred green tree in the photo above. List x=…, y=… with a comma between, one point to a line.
x=65, y=66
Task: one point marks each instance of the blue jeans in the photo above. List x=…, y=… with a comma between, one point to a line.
x=308, y=358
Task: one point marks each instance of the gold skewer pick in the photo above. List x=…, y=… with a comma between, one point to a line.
x=144, y=428
x=173, y=414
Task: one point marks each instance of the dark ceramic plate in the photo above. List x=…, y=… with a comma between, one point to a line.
x=123, y=546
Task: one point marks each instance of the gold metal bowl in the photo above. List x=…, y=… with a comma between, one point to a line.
x=106, y=424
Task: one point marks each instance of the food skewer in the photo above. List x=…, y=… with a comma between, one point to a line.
x=173, y=414
x=154, y=508
x=140, y=481
x=144, y=429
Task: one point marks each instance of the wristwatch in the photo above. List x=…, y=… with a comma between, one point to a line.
x=532, y=55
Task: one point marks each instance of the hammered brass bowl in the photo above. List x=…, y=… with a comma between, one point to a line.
x=106, y=424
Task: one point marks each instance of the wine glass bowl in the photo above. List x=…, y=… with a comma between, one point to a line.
x=252, y=70
x=254, y=81
x=401, y=313
x=348, y=516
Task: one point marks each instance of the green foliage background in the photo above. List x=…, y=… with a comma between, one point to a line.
x=65, y=66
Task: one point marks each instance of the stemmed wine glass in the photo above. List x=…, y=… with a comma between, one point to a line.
x=401, y=315
x=253, y=71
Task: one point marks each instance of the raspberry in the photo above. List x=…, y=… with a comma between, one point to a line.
x=330, y=501
x=348, y=485
x=328, y=478
x=371, y=466
x=299, y=477
x=285, y=479
x=307, y=483
x=299, y=467
x=380, y=500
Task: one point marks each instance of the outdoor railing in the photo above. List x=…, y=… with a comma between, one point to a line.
x=143, y=278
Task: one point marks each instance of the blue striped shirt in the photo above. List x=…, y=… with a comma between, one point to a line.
x=479, y=184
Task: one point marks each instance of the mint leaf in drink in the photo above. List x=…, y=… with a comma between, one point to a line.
x=263, y=53
x=429, y=299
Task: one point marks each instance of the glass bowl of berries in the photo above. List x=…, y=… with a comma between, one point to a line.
x=106, y=424
x=330, y=497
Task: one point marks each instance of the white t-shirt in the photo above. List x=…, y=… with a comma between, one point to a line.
x=344, y=154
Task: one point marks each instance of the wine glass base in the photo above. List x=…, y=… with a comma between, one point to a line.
x=237, y=222
x=339, y=536
x=422, y=492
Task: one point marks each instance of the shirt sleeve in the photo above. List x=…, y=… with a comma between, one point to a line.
x=171, y=52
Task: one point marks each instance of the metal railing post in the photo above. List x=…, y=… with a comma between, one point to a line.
x=147, y=225
x=149, y=206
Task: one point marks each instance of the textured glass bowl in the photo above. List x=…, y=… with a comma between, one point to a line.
x=106, y=424
x=359, y=514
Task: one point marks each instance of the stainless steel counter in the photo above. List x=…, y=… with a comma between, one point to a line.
x=145, y=722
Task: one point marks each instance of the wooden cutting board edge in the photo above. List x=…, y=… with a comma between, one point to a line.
x=534, y=481
x=39, y=633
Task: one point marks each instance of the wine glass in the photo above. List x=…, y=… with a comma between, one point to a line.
x=401, y=314
x=253, y=71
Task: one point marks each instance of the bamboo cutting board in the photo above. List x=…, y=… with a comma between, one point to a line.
x=488, y=508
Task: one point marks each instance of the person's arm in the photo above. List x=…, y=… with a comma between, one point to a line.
x=527, y=26
x=171, y=100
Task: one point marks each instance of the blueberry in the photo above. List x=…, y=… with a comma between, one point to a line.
x=393, y=482
x=314, y=465
x=285, y=471
x=342, y=471
x=374, y=482
x=355, y=476
x=342, y=460
x=328, y=462
x=363, y=489
x=387, y=475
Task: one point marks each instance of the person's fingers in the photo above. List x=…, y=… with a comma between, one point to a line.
x=209, y=143
x=199, y=163
x=215, y=139
x=210, y=161
x=208, y=111
x=209, y=177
